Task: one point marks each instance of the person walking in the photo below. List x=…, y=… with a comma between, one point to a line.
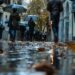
x=55, y=7
x=22, y=32
x=13, y=24
x=31, y=25
x=1, y=26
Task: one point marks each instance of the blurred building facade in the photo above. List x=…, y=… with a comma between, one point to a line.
x=67, y=21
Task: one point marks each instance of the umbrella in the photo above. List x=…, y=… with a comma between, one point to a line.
x=19, y=8
x=1, y=2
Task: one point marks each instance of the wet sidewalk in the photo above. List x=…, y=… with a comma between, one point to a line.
x=19, y=57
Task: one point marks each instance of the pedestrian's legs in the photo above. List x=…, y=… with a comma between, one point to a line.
x=22, y=35
x=27, y=36
x=1, y=34
x=31, y=35
x=22, y=32
x=55, y=31
x=12, y=34
x=55, y=28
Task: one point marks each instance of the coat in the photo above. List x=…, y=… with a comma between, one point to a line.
x=31, y=24
x=55, y=7
x=14, y=21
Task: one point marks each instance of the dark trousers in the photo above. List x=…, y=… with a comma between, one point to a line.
x=1, y=31
x=22, y=35
x=27, y=36
x=31, y=34
x=55, y=27
x=22, y=32
x=12, y=33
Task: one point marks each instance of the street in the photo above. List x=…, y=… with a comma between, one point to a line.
x=20, y=56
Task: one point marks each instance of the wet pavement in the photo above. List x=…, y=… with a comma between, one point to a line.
x=19, y=57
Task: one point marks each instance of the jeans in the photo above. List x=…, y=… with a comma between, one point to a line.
x=12, y=34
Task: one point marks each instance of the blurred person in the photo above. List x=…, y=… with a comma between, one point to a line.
x=37, y=35
x=55, y=7
x=1, y=26
x=27, y=35
x=31, y=25
x=13, y=24
x=22, y=31
x=44, y=36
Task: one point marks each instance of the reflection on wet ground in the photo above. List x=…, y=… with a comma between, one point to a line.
x=17, y=58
